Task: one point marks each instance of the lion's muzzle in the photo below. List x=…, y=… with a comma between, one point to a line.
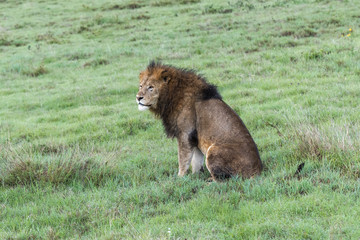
x=142, y=106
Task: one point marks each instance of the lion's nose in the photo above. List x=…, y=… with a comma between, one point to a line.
x=139, y=98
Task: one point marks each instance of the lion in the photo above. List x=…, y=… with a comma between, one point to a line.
x=193, y=112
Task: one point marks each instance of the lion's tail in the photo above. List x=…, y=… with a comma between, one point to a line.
x=299, y=169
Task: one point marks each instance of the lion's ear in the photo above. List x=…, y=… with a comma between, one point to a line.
x=141, y=75
x=165, y=76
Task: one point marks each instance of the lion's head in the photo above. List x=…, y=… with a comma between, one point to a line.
x=150, y=87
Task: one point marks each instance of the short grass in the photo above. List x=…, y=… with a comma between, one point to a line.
x=79, y=161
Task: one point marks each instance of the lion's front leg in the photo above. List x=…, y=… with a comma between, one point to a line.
x=185, y=153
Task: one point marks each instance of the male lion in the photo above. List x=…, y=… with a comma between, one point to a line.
x=193, y=111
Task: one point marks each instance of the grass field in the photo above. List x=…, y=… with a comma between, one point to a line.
x=79, y=161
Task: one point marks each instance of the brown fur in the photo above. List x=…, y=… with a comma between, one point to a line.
x=192, y=110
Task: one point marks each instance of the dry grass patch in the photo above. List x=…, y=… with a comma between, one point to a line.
x=54, y=164
x=338, y=144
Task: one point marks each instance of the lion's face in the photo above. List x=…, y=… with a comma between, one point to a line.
x=149, y=90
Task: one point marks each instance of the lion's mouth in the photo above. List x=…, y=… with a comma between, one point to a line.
x=144, y=105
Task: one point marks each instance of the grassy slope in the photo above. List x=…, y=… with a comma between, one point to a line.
x=77, y=160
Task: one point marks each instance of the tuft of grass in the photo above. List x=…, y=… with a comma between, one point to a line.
x=335, y=144
x=243, y=5
x=189, y=1
x=48, y=37
x=164, y=3
x=5, y=41
x=211, y=9
x=35, y=72
x=132, y=5
x=53, y=164
x=316, y=54
x=305, y=33
x=141, y=17
x=96, y=62
x=77, y=56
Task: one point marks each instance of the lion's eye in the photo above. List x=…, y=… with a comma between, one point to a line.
x=140, y=87
x=151, y=88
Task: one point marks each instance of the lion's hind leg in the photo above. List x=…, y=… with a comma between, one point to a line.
x=224, y=161
x=218, y=163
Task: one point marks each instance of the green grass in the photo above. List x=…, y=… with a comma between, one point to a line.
x=79, y=161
